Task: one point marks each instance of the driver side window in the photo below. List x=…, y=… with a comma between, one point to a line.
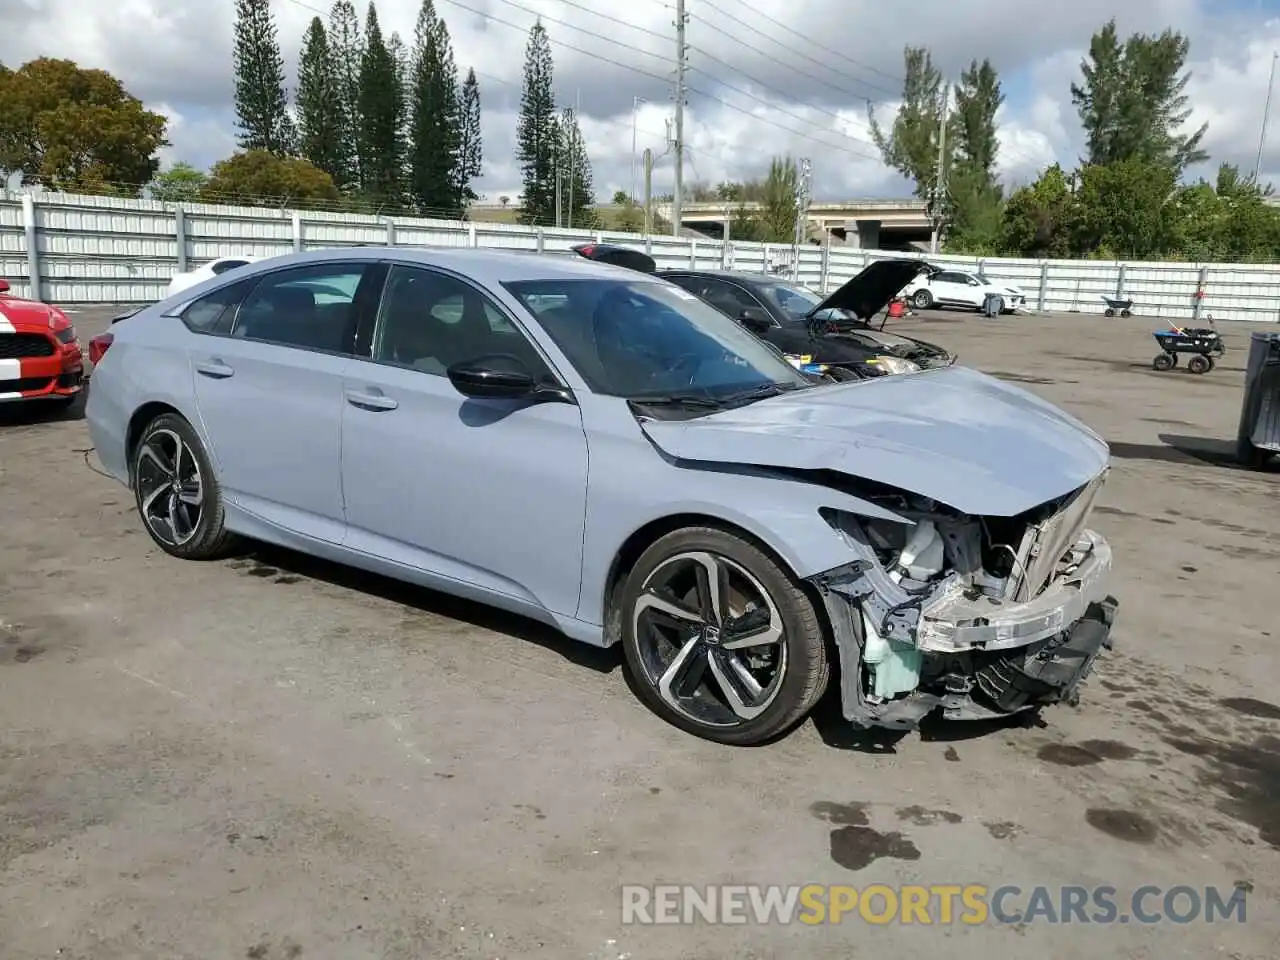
x=430, y=321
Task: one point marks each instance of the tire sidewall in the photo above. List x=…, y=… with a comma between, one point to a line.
x=209, y=526
x=922, y=299
x=781, y=587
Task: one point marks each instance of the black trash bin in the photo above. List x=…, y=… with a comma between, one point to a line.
x=1259, y=437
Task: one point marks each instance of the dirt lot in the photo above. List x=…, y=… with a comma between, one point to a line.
x=272, y=758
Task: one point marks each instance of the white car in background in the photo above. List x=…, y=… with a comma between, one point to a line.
x=941, y=287
x=213, y=268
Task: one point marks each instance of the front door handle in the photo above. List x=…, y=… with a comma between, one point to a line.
x=214, y=368
x=372, y=400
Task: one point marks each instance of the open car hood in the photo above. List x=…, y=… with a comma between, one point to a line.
x=953, y=435
x=871, y=290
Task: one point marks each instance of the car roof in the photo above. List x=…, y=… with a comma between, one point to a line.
x=486, y=265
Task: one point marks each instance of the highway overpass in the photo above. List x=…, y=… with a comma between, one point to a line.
x=869, y=224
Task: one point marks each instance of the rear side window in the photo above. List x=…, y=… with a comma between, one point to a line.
x=312, y=307
x=214, y=312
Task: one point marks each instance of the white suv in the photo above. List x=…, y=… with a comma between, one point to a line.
x=959, y=288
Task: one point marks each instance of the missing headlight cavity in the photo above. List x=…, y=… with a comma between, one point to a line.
x=978, y=616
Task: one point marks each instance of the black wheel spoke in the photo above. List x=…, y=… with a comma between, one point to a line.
x=170, y=487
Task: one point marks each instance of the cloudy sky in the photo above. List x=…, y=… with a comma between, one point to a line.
x=766, y=76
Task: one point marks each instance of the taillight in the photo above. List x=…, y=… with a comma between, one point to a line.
x=98, y=347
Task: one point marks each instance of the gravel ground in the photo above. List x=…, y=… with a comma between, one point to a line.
x=275, y=758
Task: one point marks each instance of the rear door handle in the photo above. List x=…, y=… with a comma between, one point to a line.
x=374, y=399
x=214, y=368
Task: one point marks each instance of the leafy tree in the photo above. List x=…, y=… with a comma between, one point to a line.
x=471, y=149
x=576, y=195
x=1039, y=220
x=261, y=103
x=537, y=133
x=1126, y=209
x=346, y=47
x=75, y=129
x=320, y=104
x=434, y=141
x=779, y=200
x=259, y=178
x=978, y=99
x=1132, y=101
x=911, y=145
x=381, y=108
x=181, y=182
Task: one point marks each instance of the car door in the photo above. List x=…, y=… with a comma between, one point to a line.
x=950, y=287
x=486, y=492
x=729, y=298
x=269, y=391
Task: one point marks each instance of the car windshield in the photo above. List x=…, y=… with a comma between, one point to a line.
x=795, y=301
x=643, y=339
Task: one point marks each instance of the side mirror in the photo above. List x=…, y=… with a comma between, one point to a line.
x=755, y=319
x=493, y=377
x=4, y=285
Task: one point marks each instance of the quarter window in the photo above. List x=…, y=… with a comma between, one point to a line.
x=214, y=312
x=309, y=307
x=430, y=321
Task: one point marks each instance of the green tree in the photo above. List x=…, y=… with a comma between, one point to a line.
x=1040, y=219
x=537, y=132
x=1132, y=101
x=262, y=178
x=320, y=104
x=974, y=203
x=576, y=194
x=75, y=129
x=471, y=148
x=780, y=201
x=346, y=47
x=260, y=99
x=381, y=108
x=1126, y=209
x=434, y=140
x=911, y=145
x=181, y=182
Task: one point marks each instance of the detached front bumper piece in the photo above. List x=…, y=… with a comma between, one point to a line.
x=973, y=658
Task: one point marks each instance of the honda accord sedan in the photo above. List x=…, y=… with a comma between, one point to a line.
x=604, y=451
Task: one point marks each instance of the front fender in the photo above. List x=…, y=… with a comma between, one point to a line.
x=782, y=513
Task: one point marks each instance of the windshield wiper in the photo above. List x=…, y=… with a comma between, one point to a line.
x=676, y=400
x=762, y=392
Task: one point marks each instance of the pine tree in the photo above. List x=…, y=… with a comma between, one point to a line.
x=537, y=133
x=471, y=153
x=262, y=106
x=577, y=198
x=400, y=57
x=381, y=106
x=435, y=135
x=346, y=48
x=319, y=106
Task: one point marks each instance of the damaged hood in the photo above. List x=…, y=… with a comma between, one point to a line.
x=953, y=435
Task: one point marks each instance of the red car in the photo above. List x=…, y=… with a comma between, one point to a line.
x=40, y=357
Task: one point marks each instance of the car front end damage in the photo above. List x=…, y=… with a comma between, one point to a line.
x=978, y=617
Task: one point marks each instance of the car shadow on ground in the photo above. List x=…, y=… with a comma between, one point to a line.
x=281, y=560
x=1175, y=448
x=30, y=413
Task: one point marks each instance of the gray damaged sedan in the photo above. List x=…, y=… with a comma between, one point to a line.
x=602, y=451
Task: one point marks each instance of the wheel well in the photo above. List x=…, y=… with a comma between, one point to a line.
x=138, y=422
x=646, y=536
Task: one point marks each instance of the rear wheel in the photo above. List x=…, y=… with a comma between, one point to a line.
x=177, y=494
x=1199, y=364
x=922, y=299
x=1165, y=361
x=720, y=640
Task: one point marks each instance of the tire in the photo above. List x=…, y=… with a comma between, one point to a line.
x=922, y=299
x=1165, y=361
x=1126, y=313
x=654, y=640
x=200, y=531
x=1199, y=364
x=1108, y=312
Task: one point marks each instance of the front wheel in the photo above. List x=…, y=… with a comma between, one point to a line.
x=1164, y=361
x=922, y=299
x=1199, y=364
x=177, y=494
x=720, y=640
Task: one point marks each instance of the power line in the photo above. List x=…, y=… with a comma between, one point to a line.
x=791, y=67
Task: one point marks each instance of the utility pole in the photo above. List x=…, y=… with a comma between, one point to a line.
x=1266, y=115
x=635, y=116
x=802, y=214
x=682, y=62
x=938, y=201
x=648, y=191
x=559, y=208
x=573, y=151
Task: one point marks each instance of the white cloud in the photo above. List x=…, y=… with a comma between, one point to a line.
x=798, y=82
